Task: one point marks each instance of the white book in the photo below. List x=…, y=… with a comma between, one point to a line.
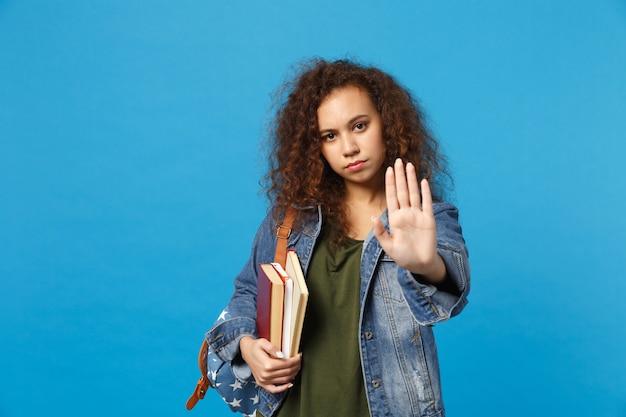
x=287, y=310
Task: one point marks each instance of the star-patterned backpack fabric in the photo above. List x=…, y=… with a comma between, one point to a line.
x=241, y=397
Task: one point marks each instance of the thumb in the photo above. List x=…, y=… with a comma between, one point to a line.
x=380, y=232
x=270, y=349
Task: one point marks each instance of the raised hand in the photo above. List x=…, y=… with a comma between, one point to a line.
x=412, y=240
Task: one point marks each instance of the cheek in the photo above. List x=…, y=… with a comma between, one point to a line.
x=326, y=153
x=323, y=154
x=383, y=146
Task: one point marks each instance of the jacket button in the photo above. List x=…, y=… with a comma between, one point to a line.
x=376, y=383
x=368, y=335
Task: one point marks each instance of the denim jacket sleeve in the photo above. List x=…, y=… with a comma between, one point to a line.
x=239, y=317
x=444, y=304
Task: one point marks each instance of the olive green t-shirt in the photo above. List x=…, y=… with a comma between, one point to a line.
x=330, y=382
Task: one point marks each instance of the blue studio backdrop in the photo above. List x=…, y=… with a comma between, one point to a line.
x=130, y=162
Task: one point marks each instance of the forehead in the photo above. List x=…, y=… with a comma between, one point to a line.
x=346, y=101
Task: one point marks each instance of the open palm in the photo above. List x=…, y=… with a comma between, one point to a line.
x=412, y=238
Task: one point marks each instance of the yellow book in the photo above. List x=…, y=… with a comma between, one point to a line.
x=298, y=303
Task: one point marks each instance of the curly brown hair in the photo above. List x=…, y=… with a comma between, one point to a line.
x=298, y=174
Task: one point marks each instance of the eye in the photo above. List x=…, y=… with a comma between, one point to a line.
x=328, y=137
x=360, y=126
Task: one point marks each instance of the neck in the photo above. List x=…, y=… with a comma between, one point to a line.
x=361, y=204
x=363, y=195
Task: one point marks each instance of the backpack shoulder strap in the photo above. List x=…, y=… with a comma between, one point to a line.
x=282, y=234
x=203, y=383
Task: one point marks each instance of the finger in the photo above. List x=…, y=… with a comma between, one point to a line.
x=378, y=227
x=380, y=233
x=284, y=367
x=277, y=377
x=270, y=349
x=275, y=389
x=427, y=199
x=282, y=376
x=390, y=190
x=414, y=192
x=401, y=185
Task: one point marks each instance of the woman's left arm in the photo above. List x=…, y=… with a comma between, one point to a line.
x=426, y=240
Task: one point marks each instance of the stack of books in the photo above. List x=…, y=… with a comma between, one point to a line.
x=282, y=297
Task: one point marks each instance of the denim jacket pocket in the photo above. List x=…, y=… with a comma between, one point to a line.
x=384, y=286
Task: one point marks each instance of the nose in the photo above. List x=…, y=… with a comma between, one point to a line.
x=350, y=146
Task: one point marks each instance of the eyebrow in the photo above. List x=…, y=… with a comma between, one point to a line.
x=354, y=119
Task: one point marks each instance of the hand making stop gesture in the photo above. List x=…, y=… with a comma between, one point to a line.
x=412, y=238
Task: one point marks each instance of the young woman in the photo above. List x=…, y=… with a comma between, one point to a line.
x=384, y=257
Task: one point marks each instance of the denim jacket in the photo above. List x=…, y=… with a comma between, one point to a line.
x=397, y=345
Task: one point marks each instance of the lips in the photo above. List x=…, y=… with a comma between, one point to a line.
x=355, y=166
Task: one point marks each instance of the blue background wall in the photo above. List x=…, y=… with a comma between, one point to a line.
x=129, y=168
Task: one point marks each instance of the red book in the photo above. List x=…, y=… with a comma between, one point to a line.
x=269, y=304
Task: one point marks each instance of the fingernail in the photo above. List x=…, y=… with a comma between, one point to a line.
x=279, y=354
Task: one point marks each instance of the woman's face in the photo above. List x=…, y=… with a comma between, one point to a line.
x=352, y=136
